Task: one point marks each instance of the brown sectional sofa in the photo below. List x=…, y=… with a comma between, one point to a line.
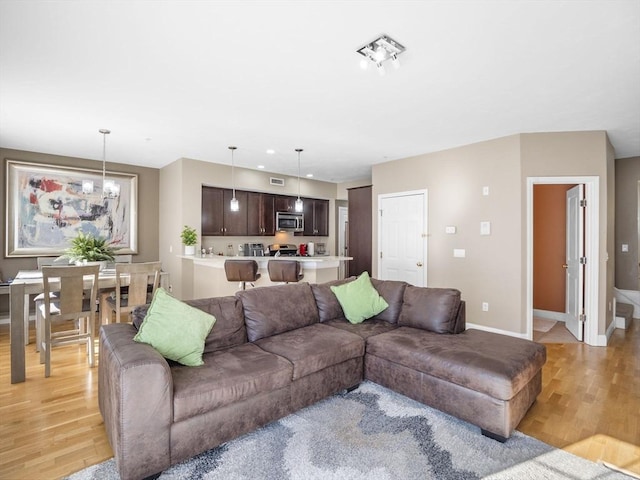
x=274, y=350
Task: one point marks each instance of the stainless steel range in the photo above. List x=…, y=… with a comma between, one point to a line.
x=283, y=249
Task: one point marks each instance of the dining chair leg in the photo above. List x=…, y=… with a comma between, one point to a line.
x=90, y=341
x=47, y=347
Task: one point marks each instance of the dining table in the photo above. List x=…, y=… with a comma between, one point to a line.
x=29, y=282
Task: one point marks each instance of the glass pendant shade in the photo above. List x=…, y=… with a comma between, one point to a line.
x=298, y=206
x=234, y=205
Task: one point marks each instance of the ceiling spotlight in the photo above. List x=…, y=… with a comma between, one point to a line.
x=379, y=51
x=394, y=61
x=270, y=151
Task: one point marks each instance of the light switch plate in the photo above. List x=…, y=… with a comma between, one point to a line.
x=485, y=228
x=485, y=191
x=459, y=252
x=625, y=247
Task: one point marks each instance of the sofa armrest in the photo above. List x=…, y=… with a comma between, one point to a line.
x=135, y=395
x=460, y=324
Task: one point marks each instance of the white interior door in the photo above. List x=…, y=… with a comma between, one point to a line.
x=402, y=240
x=574, y=268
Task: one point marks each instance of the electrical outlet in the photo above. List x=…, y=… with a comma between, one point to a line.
x=485, y=306
x=459, y=252
x=625, y=248
x=485, y=191
x=450, y=229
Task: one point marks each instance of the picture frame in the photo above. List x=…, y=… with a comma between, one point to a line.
x=47, y=206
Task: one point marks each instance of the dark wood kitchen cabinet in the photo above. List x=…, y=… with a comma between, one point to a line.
x=316, y=217
x=285, y=203
x=261, y=214
x=360, y=230
x=217, y=218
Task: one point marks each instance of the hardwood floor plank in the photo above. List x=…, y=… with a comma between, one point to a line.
x=589, y=406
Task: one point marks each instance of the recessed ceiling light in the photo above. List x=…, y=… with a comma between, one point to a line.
x=270, y=151
x=309, y=175
x=260, y=167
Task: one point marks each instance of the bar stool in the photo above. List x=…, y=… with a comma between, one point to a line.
x=242, y=271
x=284, y=271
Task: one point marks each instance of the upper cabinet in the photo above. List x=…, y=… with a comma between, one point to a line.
x=261, y=214
x=316, y=217
x=257, y=214
x=285, y=203
x=217, y=218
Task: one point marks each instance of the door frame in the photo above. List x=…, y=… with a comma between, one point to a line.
x=425, y=233
x=591, y=251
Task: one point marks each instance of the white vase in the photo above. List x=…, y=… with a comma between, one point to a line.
x=189, y=249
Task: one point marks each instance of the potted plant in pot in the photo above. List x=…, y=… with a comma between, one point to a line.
x=189, y=238
x=86, y=249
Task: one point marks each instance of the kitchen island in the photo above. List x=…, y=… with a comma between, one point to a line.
x=209, y=279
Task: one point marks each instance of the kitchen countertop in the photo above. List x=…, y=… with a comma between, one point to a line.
x=317, y=261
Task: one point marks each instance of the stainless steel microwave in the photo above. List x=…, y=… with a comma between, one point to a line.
x=290, y=221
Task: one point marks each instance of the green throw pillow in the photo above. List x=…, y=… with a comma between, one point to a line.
x=359, y=299
x=175, y=329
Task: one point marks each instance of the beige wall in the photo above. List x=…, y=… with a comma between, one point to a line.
x=494, y=269
x=181, y=183
x=147, y=207
x=491, y=271
x=341, y=188
x=147, y=203
x=577, y=154
x=627, y=232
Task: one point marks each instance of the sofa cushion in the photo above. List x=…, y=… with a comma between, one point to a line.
x=359, y=299
x=227, y=376
x=175, y=329
x=393, y=293
x=328, y=306
x=433, y=309
x=366, y=329
x=229, y=329
x=494, y=364
x=314, y=348
x=277, y=309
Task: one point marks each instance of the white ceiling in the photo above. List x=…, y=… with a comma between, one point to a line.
x=186, y=79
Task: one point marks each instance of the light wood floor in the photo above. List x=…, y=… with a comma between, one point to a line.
x=590, y=406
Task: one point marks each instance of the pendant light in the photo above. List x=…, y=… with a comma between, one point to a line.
x=234, y=205
x=299, y=207
x=110, y=189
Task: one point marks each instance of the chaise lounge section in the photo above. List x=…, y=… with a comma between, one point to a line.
x=274, y=350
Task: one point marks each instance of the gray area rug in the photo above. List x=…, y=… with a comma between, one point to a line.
x=373, y=433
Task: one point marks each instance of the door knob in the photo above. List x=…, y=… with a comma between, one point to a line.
x=419, y=264
x=564, y=265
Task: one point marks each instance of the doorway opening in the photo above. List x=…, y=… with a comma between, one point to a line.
x=555, y=285
x=588, y=266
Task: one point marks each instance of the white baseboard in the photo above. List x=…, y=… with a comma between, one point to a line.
x=603, y=340
x=557, y=316
x=631, y=297
x=497, y=330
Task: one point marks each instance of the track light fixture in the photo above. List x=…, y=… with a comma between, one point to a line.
x=379, y=51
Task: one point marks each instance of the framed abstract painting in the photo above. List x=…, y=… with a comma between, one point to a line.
x=47, y=206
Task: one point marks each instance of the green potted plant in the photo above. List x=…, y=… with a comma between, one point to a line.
x=85, y=248
x=189, y=238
